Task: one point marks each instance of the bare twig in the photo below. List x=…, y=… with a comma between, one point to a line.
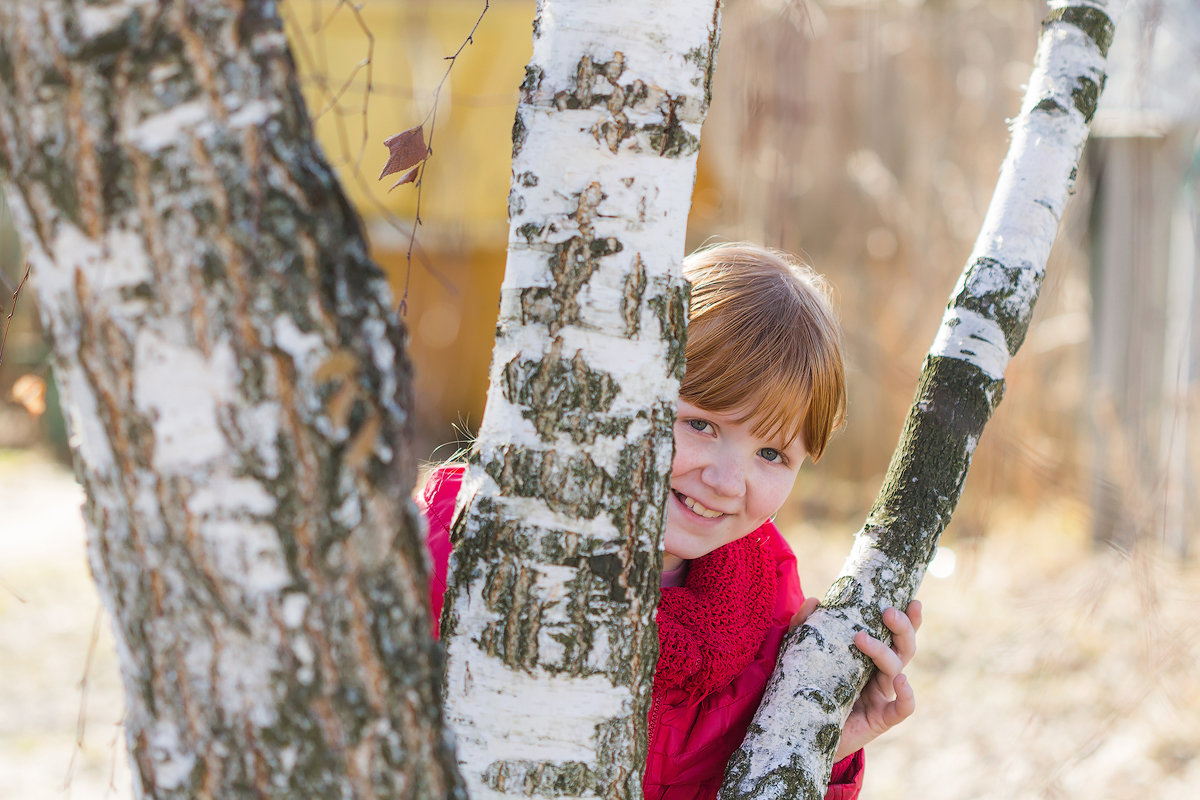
x=317, y=66
x=12, y=591
x=81, y=717
x=8, y=322
x=431, y=119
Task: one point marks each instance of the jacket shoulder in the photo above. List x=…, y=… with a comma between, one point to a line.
x=436, y=503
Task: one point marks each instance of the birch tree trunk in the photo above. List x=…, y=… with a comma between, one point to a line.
x=238, y=396
x=790, y=745
x=555, y=574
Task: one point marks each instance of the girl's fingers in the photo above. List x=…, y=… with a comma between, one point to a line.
x=905, y=703
x=913, y=612
x=806, y=609
x=904, y=630
x=886, y=659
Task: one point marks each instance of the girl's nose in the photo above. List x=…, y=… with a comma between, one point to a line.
x=726, y=476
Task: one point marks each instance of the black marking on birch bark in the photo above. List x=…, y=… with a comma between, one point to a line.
x=844, y=593
x=786, y=781
x=519, y=132
x=827, y=739
x=582, y=93
x=527, y=179
x=8, y=72
x=709, y=62
x=559, y=396
x=54, y=166
x=1092, y=21
x=613, y=131
x=643, y=507
x=621, y=741
x=597, y=602
x=508, y=592
x=571, y=265
x=1086, y=95
x=1050, y=106
x=598, y=605
x=567, y=484
x=106, y=45
x=825, y=702
x=667, y=138
x=529, y=232
x=539, y=778
x=954, y=401
x=1012, y=318
x=671, y=309
x=670, y=139
x=810, y=632
x=631, y=298
x=533, y=80
x=516, y=202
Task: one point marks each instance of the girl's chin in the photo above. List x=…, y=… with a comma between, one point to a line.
x=684, y=546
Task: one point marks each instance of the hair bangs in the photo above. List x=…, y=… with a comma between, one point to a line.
x=763, y=340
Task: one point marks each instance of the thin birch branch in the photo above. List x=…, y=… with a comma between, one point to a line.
x=790, y=745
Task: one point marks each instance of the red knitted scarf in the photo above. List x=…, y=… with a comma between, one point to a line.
x=710, y=629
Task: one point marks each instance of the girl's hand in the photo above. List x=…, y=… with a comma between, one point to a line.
x=888, y=698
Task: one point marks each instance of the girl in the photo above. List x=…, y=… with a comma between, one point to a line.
x=763, y=391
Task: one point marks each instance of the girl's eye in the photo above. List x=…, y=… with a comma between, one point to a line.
x=771, y=454
x=698, y=425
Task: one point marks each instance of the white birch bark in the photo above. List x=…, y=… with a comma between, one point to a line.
x=789, y=748
x=554, y=577
x=237, y=394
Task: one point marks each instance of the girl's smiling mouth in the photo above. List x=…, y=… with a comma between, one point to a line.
x=696, y=506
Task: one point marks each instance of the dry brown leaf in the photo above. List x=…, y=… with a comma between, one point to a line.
x=405, y=150
x=30, y=391
x=409, y=177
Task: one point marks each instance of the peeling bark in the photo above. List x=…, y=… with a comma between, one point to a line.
x=789, y=748
x=551, y=644
x=238, y=397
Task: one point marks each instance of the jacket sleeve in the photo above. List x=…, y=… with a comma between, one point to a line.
x=845, y=782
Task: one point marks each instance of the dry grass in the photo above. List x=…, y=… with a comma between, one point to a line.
x=1044, y=671
x=54, y=741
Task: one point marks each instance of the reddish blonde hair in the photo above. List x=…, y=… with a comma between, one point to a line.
x=763, y=336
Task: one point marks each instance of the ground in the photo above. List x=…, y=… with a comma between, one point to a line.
x=1045, y=670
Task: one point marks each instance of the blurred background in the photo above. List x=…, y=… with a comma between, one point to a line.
x=866, y=136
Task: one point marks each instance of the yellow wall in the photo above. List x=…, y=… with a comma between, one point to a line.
x=455, y=277
x=399, y=47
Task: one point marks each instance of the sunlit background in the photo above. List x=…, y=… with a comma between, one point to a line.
x=866, y=136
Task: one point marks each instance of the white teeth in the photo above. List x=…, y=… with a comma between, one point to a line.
x=703, y=511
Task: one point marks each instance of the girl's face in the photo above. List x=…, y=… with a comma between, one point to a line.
x=725, y=482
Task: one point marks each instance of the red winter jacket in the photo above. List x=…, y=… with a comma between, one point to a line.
x=719, y=637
